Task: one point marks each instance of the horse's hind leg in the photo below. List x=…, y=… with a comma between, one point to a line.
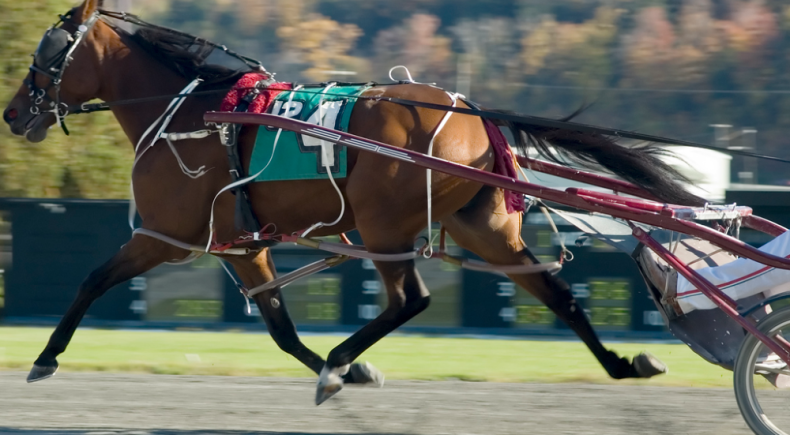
x=407, y=297
x=485, y=228
x=259, y=269
x=139, y=255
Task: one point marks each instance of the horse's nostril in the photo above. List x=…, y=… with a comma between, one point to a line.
x=10, y=115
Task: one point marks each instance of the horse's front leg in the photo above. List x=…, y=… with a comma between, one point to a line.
x=139, y=255
x=260, y=269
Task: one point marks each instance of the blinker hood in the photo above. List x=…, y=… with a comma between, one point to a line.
x=52, y=48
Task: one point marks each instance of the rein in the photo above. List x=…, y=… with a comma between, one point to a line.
x=79, y=109
x=488, y=114
x=61, y=110
x=585, y=128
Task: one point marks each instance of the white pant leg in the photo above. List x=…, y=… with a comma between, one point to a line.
x=740, y=278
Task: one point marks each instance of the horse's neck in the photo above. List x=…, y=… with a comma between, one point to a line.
x=131, y=74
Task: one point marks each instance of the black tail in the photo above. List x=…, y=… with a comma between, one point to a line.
x=639, y=165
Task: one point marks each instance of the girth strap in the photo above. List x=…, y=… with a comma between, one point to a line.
x=244, y=217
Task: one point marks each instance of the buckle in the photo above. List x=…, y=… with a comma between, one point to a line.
x=265, y=83
x=227, y=135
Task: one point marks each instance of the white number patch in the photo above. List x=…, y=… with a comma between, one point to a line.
x=325, y=116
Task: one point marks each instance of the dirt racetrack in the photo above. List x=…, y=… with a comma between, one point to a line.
x=98, y=404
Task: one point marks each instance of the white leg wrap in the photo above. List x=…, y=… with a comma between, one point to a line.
x=329, y=382
x=332, y=376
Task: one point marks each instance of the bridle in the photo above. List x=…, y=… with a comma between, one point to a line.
x=54, y=54
x=52, y=57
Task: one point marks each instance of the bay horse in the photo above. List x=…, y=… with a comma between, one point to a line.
x=385, y=200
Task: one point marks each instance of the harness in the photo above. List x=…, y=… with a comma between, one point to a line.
x=52, y=58
x=54, y=54
x=244, y=217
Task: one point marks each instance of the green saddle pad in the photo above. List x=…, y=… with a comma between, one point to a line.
x=298, y=157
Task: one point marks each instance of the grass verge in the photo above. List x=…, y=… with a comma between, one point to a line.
x=399, y=357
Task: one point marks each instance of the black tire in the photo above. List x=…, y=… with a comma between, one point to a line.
x=744, y=377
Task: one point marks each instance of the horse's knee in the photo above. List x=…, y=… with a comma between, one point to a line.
x=418, y=305
x=281, y=329
x=287, y=339
x=408, y=307
x=287, y=343
x=94, y=285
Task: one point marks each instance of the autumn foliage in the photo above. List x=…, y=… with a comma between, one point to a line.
x=669, y=67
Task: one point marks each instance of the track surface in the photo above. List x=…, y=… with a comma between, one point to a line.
x=98, y=404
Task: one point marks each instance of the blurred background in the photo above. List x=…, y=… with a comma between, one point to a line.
x=711, y=71
x=700, y=70
x=667, y=67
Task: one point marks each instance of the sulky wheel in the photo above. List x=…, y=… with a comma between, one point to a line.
x=762, y=381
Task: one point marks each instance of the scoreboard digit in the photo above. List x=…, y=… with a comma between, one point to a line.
x=534, y=315
x=316, y=301
x=609, y=305
x=324, y=293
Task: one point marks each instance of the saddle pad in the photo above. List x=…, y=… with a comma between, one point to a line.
x=298, y=157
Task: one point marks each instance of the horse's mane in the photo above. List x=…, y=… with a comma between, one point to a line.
x=185, y=54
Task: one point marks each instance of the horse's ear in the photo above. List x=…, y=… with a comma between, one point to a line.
x=89, y=7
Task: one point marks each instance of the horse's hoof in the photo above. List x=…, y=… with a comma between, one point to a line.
x=330, y=382
x=646, y=365
x=367, y=374
x=322, y=394
x=39, y=373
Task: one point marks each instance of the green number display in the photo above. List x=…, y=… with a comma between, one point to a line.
x=544, y=239
x=198, y=308
x=610, y=316
x=534, y=315
x=323, y=286
x=620, y=316
x=323, y=311
x=609, y=302
x=610, y=290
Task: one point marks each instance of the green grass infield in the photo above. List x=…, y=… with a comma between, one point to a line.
x=399, y=357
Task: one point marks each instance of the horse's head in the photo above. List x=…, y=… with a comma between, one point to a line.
x=64, y=73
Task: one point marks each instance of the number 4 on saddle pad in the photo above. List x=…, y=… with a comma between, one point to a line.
x=298, y=157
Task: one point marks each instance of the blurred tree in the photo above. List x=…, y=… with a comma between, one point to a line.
x=750, y=34
x=251, y=15
x=95, y=161
x=489, y=49
x=647, y=63
x=649, y=45
x=416, y=45
x=321, y=44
